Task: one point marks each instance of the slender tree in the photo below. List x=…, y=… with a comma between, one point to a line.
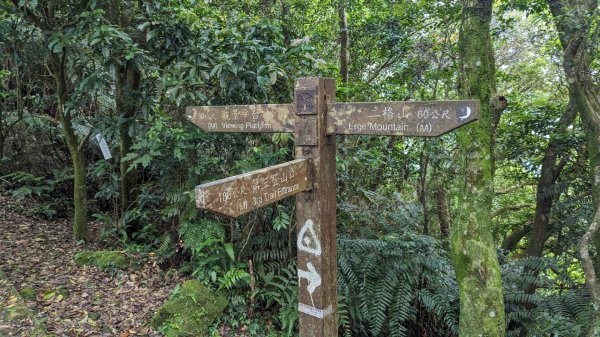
x=53, y=19
x=127, y=79
x=553, y=162
x=344, y=41
x=472, y=245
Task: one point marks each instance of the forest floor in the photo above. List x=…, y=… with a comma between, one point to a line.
x=43, y=292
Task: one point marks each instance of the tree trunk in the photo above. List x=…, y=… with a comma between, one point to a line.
x=510, y=242
x=472, y=246
x=422, y=188
x=573, y=20
x=550, y=172
x=344, y=41
x=57, y=68
x=591, y=280
x=127, y=84
x=443, y=210
x=3, y=136
x=80, y=226
x=266, y=8
x=285, y=30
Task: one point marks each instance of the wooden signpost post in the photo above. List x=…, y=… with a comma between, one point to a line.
x=315, y=119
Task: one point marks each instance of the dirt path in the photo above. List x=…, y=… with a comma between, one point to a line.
x=65, y=299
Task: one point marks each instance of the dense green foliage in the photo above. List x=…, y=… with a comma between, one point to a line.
x=397, y=197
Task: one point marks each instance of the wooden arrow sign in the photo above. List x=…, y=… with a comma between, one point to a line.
x=425, y=119
x=244, y=118
x=243, y=193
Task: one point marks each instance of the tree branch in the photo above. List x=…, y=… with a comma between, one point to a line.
x=588, y=266
x=560, y=166
x=84, y=140
x=510, y=242
x=387, y=63
x=38, y=22
x=514, y=188
x=511, y=208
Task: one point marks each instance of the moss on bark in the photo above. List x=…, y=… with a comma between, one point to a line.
x=80, y=226
x=472, y=246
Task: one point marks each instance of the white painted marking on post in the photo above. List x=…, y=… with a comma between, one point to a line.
x=103, y=147
x=313, y=277
x=308, y=241
x=314, y=312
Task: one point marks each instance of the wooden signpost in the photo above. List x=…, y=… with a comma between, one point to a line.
x=315, y=119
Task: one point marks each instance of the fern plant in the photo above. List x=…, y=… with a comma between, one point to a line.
x=48, y=191
x=559, y=307
x=397, y=286
x=281, y=293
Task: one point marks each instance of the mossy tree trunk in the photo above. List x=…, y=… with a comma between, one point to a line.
x=80, y=226
x=574, y=21
x=50, y=23
x=472, y=246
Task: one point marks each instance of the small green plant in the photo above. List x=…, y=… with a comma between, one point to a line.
x=47, y=191
x=282, y=220
x=109, y=260
x=281, y=292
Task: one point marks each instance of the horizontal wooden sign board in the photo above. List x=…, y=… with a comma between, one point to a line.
x=424, y=119
x=244, y=118
x=237, y=195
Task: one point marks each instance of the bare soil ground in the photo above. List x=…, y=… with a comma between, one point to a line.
x=66, y=299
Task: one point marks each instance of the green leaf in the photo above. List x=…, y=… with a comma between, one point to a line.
x=145, y=160
x=216, y=70
x=95, y=41
x=56, y=47
x=268, y=277
x=229, y=249
x=276, y=138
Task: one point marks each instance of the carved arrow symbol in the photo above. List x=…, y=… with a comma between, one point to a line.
x=314, y=279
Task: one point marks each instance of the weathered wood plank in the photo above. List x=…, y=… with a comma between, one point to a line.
x=244, y=118
x=243, y=193
x=315, y=212
x=424, y=119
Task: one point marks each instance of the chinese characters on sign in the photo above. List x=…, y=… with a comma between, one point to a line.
x=243, y=193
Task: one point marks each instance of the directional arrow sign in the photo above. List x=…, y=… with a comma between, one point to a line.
x=427, y=119
x=244, y=118
x=243, y=193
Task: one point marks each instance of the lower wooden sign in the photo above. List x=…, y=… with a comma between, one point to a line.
x=237, y=195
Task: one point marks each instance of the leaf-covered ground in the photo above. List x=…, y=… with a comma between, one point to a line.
x=43, y=292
